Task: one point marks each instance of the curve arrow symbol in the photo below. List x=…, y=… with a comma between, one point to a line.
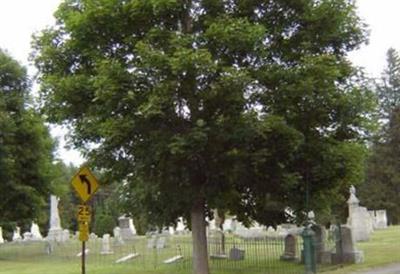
x=84, y=180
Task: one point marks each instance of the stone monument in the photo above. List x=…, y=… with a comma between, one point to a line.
x=346, y=249
x=127, y=230
x=359, y=219
x=55, y=232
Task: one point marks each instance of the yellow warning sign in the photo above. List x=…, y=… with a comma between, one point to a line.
x=85, y=183
x=83, y=231
x=84, y=213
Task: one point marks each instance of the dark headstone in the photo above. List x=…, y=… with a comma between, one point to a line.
x=290, y=248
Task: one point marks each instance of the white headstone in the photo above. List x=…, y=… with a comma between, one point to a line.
x=381, y=219
x=1, y=235
x=17, y=234
x=35, y=232
x=117, y=236
x=180, y=226
x=106, y=245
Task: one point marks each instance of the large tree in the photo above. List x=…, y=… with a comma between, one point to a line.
x=238, y=105
x=381, y=189
x=25, y=149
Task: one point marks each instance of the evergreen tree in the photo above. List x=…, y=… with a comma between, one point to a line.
x=240, y=105
x=381, y=189
x=388, y=88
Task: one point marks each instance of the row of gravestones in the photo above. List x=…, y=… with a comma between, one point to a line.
x=344, y=250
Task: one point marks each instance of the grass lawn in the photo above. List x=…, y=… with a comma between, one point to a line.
x=383, y=248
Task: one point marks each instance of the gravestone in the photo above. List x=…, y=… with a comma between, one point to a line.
x=27, y=236
x=55, y=232
x=381, y=219
x=358, y=218
x=320, y=240
x=180, y=227
x=128, y=257
x=1, y=236
x=65, y=235
x=106, y=245
x=373, y=218
x=290, y=248
x=35, y=232
x=127, y=231
x=17, y=234
x=93, y=236
x=346, y=248
x=151, y=243
x=117, y=236
x=161, y=243
x=236, y=254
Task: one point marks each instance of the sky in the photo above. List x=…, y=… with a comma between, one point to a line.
x=19, y=19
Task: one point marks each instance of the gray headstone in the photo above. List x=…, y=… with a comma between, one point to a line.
x=161, y=243
x=381, y=219
x=236, y=254
x=127, y=231
x=320, y=239
x=151, y=243
x=348, y=251
x=290, y=248
x=106, y=245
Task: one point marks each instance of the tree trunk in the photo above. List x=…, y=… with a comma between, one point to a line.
x=200, y=255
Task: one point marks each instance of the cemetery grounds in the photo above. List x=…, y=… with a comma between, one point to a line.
x=261, y=257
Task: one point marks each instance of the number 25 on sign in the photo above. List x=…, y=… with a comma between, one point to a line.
x=85, y=183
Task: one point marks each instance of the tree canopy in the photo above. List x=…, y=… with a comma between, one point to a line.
x=238, y=105
x=381, y=189
x=25, y=149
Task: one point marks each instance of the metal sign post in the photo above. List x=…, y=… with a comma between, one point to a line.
x=85, y=184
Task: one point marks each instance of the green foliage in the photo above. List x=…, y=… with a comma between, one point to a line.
x=104, y=224
x=381, y=189
x=25, y=149
x=240, y=103
x=388, y=88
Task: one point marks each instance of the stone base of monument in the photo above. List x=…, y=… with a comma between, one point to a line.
x=56, y=234
x=127, y=234
x=356, y=257
x=326, y=257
